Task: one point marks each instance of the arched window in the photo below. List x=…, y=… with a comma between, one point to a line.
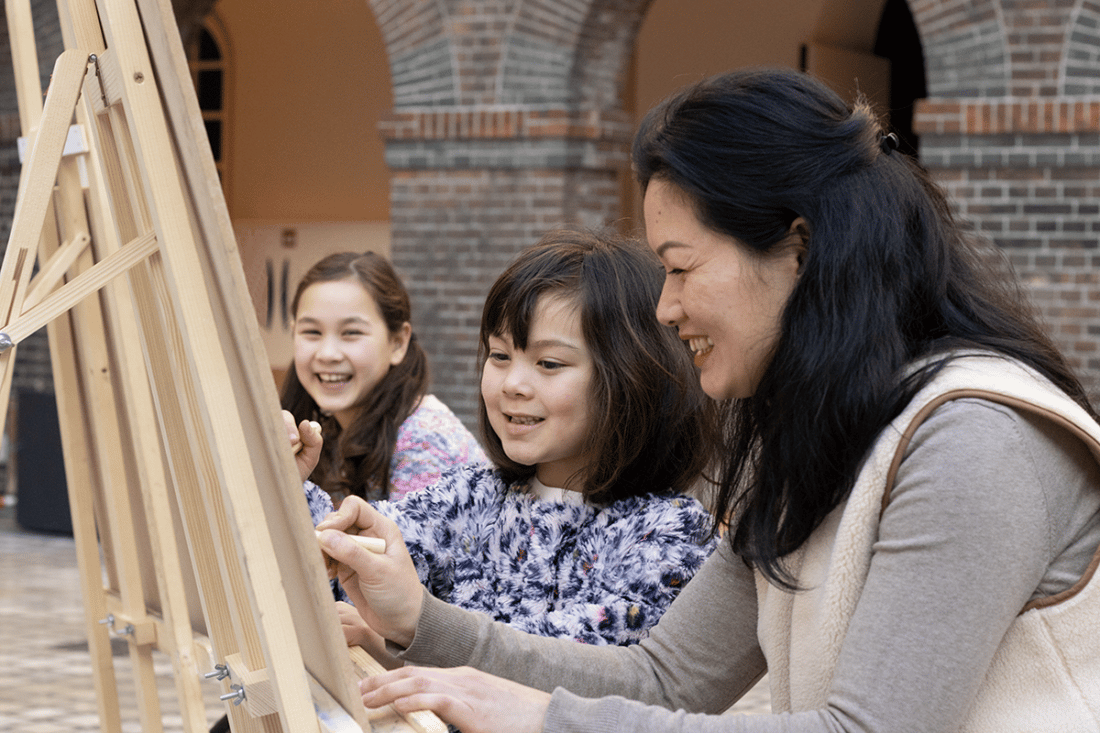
x=208, y=61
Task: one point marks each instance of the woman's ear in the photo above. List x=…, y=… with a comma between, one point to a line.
x=798, y=236
x=400, y=342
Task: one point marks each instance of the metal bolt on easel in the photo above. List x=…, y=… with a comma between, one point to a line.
x=109, y=622
x=221, y=671
x=237, y=696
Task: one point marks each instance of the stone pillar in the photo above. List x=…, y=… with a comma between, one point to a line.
x=507, y=123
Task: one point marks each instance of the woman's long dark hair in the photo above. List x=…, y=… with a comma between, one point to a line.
x=357, y=460
x=651, y=418
x=888, y=277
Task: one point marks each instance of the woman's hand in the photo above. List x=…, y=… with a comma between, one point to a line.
x=305, y=441
x=473, y=701
x=357, y=633
x=385, y=588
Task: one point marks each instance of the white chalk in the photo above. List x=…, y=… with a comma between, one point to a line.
x=377, y=545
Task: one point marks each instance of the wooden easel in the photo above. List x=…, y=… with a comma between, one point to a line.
x=191, y=531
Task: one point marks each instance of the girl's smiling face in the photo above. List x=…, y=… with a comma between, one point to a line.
x=342, y=347
x=725, y=300
x=537, y=398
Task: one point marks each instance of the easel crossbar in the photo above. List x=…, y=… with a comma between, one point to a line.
x=79, y=288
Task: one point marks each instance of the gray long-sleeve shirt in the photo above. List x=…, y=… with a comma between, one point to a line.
x=991, y=508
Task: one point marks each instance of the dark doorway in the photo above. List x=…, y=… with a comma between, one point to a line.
x=899, y=41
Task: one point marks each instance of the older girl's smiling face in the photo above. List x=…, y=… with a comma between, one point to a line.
x=725, y=300
x=342, y=346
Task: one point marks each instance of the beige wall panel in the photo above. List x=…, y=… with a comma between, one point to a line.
x=275, y=255
x=311, y=80
x=852, y=74
x=682, y=41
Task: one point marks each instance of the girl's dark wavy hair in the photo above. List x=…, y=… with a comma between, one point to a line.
x=649, y=431
x=888, y=277
x=357, y=460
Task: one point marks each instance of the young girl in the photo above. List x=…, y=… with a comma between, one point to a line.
x=359, y=371
x=593, y=418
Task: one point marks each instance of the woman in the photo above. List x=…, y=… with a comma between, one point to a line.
x=911, y=485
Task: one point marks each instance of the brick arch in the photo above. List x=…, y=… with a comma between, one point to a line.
x=588, y=47
x=605, y=49
x=423, y=67
x=538, y=51
x=965, y=47
x=546, y=53
x=1080, y=69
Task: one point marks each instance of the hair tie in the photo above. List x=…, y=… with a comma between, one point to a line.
x=889, y=143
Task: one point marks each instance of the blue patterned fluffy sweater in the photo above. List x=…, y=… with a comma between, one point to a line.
x=596, y=574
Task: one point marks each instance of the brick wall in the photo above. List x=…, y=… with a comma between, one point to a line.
x=467, y=226
x=1019, y=153
x=489, y=99
x=507, y=121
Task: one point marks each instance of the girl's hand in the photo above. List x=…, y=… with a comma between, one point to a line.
x=305, y=441
x=385, y=588
x=473, y=701
x=357, y=633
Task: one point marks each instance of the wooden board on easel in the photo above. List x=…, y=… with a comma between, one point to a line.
x=179, y=472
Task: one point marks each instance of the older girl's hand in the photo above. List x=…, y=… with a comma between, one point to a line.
x=305, y=441
x=384, y=587
x=471, y=700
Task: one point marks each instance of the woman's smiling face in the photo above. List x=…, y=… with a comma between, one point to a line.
x=725, y=300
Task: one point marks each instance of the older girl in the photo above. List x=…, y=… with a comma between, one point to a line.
x=360, y=372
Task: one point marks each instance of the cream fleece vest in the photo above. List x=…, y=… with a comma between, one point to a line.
x=1045, y=675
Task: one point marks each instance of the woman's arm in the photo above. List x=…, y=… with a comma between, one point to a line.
x=963, y=543
x=702, y=654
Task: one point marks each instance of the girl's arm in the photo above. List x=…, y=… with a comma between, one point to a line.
x=306, y=441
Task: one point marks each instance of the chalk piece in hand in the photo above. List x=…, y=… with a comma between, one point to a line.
x=377, y=545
